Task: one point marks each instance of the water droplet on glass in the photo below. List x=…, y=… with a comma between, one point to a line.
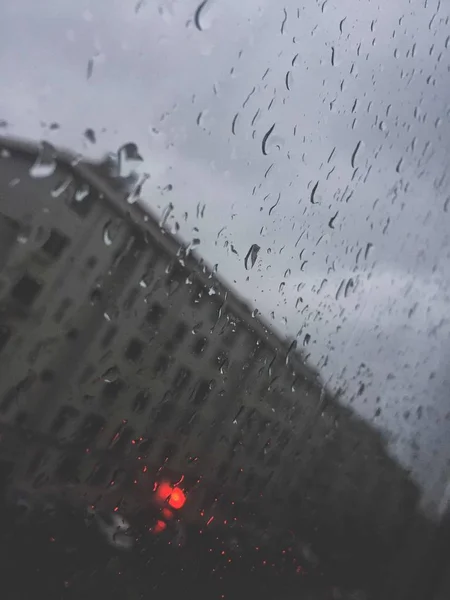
x=332, y=56
x=306, y=339
x=111, y=374
x=281, y=286
x=45, y=163
x=166, y=214
x=369, y=247
x=355, y=152
x=283, y=23
x=313, y=193
x=331, y=221
x=82, y=192
x=108, y=233
x=136, y=189
x=251, y=256
x=288, y=81
x=201, y=20
x=24, y=234
x=89, y=134
x=348, y=287
x=265, y=140
x=62, y=187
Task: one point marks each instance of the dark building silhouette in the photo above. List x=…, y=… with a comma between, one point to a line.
x=122, y=354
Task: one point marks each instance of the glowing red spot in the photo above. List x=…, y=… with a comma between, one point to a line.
x=144, y=469
x=210, y=520
x=116, y=508
x=177, y=498
x=163, y=491
x=167, y=514
x=159, y=527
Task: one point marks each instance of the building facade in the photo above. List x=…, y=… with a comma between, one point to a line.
x=122, y=354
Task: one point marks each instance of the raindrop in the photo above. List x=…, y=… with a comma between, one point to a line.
x=45, y=163
x=82, y=192
x=281, y=286
x=349, y=287
x=252, y=255
x=341, y=24
x=291, y=349
x=136, y=190
x=90, y=68
x=89, y=134
x=288, y=81
x=200, y=14
x=61, y=188
x=107, y=234
x=306, y=339
x=313, y=193
x=331, y=221
x=399, y=165
x=111, y=374
x=265, y=138
x=446, y=204
x=332, y=56
x=233, y=124
x=355, y=152
x=294, y=60
x=284, y=21
x=24, y=234
x=369, y=247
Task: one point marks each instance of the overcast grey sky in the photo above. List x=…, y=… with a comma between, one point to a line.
x=358, y=96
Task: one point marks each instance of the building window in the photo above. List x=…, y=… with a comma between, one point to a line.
x=26, y=290
x=91, y=262
x=109, y=336
x=65, y=304
x=131, y=298
x=55, y=244
x=112, y=389
x=141, y=401
x=201, y=392
x=5, y=335
x=161, y=365
x=155, y=314
x=98, y=475
x=199, y=345
x=68, y=469
x=64, y=416
x=165, y=410
x=134, y=350
x=121, y=439
x=47, y=375
x=187, y=422
x=181, y=379
x=180, y=332
x=89, y=429
x=169, y=450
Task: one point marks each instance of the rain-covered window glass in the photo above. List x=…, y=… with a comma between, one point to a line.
x=224, y=299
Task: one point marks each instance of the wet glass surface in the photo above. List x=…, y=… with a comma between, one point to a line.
x=224, y=298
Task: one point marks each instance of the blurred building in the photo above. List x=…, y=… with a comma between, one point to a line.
x=121, y=353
